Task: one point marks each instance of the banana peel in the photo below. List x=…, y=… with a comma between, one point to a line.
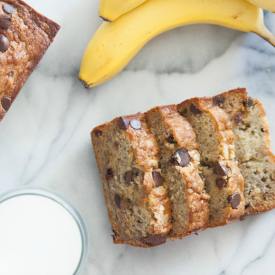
x=115, y=43
x=264, y=4
x=110, y=10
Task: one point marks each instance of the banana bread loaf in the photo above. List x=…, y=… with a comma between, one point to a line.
x=25, y=36
x=223, y=179
x=136, y=194
x=252, y=141
x=179, y=161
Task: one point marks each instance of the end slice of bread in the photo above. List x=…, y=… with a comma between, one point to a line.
x=252, y=141
x=136, y=195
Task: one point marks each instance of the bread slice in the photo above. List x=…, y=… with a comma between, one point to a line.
x=252, y=141
x=224, y=182
x=136, y=194
x=179, y=161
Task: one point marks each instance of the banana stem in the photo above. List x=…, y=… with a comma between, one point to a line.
x=267, y=35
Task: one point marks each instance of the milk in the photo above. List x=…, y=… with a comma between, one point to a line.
x=38, y=236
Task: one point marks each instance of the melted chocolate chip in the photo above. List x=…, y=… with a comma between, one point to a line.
x=6, y=103
x=5, y=21
x=128, y=177
x=220, y=169
x=184, y=113
x=4, y=43
x=98, y=133
x=195, y=110
x=250, y=102
x=117, y=200
x=123, y=123
x=218, y=100
x=181, y=158
x=153, y=239
x=262, y=130
x=171, y=139
x=136, y=124
x=109, y=174
x=247, y=205
x=238, y=118
x=8, y=8
x=158, y=179
x=221, y=182
x=235, y=200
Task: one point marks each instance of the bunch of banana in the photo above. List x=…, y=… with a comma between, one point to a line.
x=116, y=43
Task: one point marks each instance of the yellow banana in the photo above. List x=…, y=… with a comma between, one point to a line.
x=264, y=4
x=110, y=10
x=116, y=43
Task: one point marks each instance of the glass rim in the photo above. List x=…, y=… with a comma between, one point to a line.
x=63, y=201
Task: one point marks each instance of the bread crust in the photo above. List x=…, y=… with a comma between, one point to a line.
x=29, y=35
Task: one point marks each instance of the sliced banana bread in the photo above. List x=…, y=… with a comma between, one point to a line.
x=252, y=141
x=136, y=194
x=223, y=179
x=179, y=161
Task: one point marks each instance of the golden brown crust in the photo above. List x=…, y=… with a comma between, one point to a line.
x=30, y=35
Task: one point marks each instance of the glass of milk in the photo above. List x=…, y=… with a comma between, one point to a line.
x=41, y=232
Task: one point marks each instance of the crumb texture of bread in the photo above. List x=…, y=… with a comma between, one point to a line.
x=137, y=199
x=30, y=35
x=252, y=141
x=185, y=187
x=217, y=151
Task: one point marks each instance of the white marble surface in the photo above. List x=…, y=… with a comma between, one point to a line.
x=44, y=138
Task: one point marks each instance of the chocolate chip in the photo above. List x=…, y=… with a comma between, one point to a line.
x=136, y=124
x=171, y=139
x=238, y=118
x=8, y=8
x=114, y=232
x=117, y=200
x=221, y=169
x=123, y=123
x=181, y=158
x=262, y=130
x=6, y=103
x=109, y=174
x=158, y=179
x=4, y=43
x=128, y=177
x=153, y=239
x=221, y=182
x=195, y=110
x=250, y=102
x=184, y=113
x=246, y=206
x=5, y=21
x=98, y=133
x=218, y=100
x=235, y=200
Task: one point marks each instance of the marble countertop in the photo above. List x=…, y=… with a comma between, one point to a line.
x=45, y=136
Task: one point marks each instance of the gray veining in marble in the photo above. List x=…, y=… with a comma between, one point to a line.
x=44, y=138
